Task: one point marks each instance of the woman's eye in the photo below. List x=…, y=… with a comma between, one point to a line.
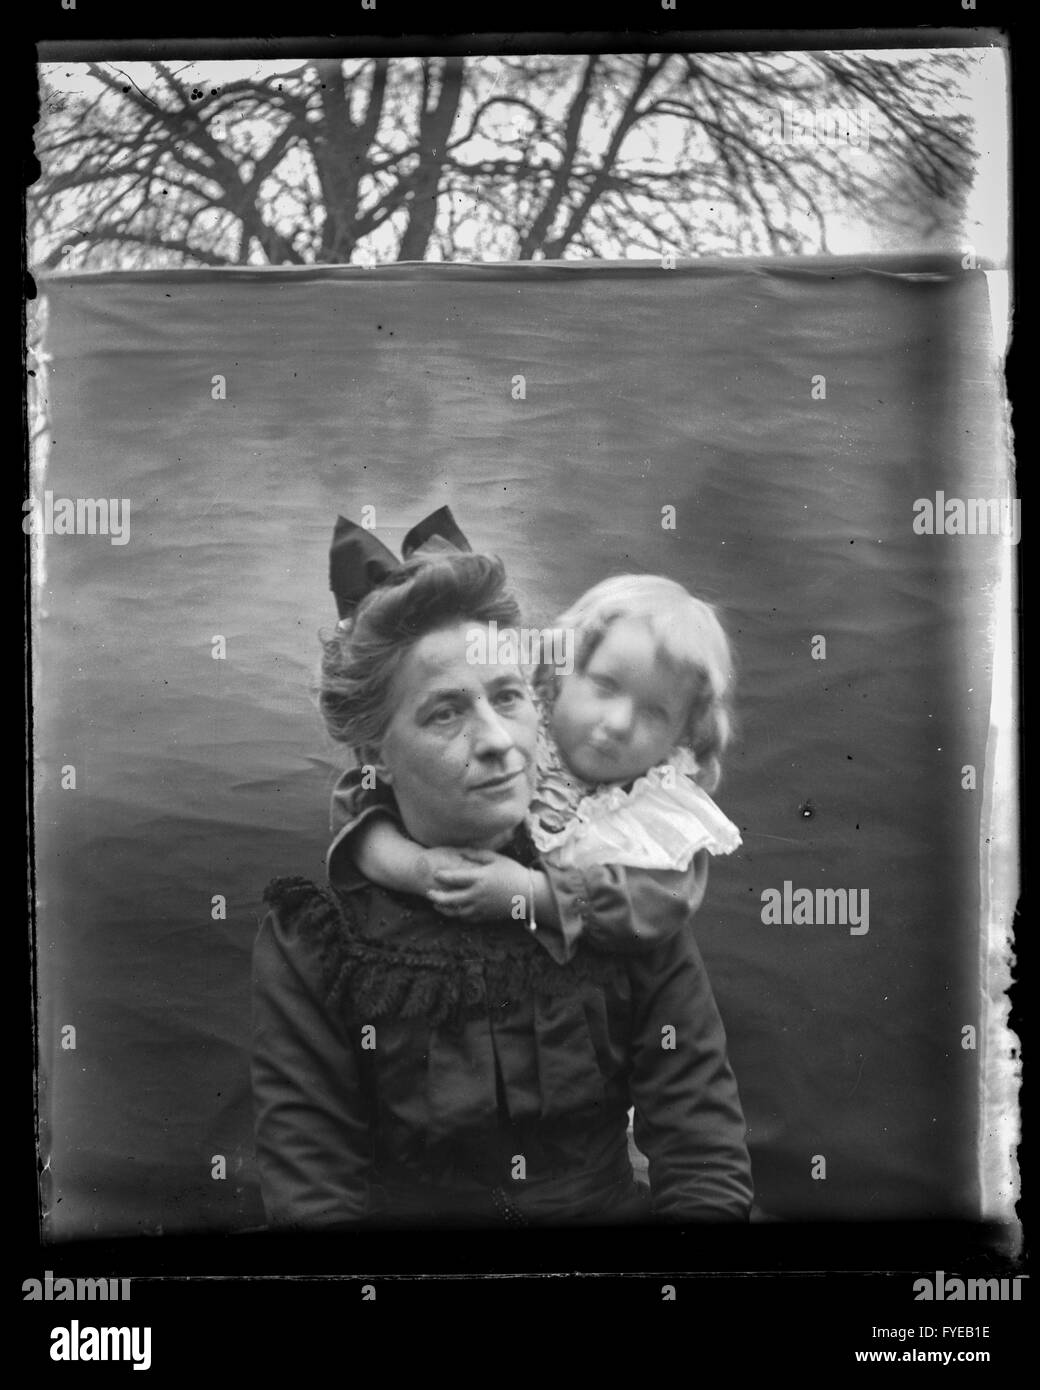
x=444, y=715
x=510, y=697
x=605, y=684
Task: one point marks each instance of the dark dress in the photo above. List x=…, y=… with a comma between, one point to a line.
x=410, y=1069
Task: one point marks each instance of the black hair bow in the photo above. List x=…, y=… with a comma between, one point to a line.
x=359, y=563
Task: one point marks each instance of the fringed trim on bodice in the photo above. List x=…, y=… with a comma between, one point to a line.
x=474, y=970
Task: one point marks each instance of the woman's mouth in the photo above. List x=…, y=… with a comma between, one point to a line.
x=505, y=782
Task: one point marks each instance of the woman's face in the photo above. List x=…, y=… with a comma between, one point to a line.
x=460, y=748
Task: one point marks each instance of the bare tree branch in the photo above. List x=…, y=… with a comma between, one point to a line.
x=610, y=154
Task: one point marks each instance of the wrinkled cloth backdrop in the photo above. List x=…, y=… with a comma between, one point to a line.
x=394, y=388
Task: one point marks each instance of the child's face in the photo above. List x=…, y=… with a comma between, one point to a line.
x=625, y=712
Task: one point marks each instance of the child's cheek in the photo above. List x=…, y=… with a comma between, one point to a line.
x=578, y=720
x=566, y=699
x=561, y=720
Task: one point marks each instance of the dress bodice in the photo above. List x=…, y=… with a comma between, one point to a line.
x=398, y=1051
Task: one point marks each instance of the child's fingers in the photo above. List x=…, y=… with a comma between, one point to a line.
x=455, y=905
x=444, y=899
x=455, y=878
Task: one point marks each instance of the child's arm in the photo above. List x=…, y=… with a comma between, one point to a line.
x=608, y=906
x=493, y=887
x=614, y=908
x=354, y=805
x=369, y=843
x=472, y=885
x=385, y=855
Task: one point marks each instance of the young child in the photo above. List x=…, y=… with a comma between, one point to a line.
x=630, y=746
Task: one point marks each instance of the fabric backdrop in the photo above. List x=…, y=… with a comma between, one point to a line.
x=395, y=388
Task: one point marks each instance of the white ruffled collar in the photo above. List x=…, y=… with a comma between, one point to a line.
x=611, y=796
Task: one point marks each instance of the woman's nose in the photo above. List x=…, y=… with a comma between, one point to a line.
x=491, y=735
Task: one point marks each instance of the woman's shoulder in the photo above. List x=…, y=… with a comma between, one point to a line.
x=305, y=909
x=304, y=934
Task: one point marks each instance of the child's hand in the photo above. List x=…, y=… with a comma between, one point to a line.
x=432, y=862
x=484, y=887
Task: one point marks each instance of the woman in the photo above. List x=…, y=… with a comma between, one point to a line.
x=411, y=1068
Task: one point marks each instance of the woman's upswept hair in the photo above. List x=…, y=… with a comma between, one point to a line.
x=689, y=638
x=361, y=657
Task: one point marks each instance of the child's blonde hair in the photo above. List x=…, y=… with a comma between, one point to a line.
x=689, y=637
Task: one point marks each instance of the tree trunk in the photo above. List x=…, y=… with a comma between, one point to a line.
x=434, y=129
x=340, y=154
